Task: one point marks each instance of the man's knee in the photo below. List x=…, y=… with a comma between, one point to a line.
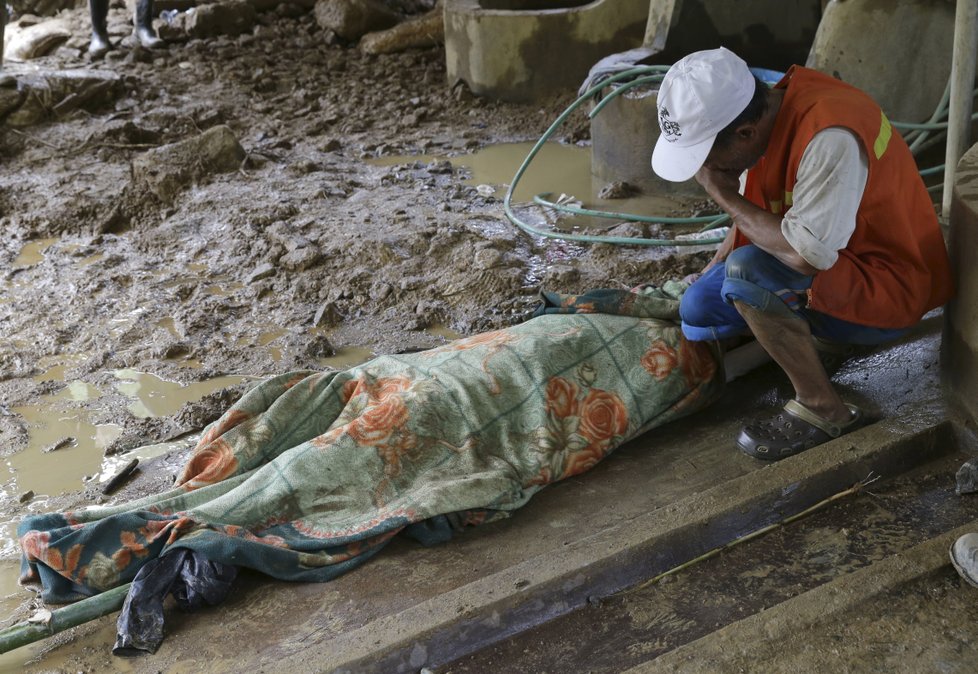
x=744, y=262
x=694, y=305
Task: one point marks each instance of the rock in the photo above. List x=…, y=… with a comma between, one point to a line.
x=561, y=276
x=263, y=271
x=10, y=100
x=431, y=311
x=487, y=258
x=441, y=167
x=125, y=131
x=423, y=31
x=380, y=291
x=26, y=496
x=328, y=315
x=304, y=166
x=300, y=259
x=350, y=19
x=58, y=444
x=967, y=477
x=632, y=230
x=60, y=92
x=319, y=347
x=292, y=10
x=224, y=18
x=269, y=5
x=41, y=7
x=618, y=189
x=24, y=42
x=169, y=169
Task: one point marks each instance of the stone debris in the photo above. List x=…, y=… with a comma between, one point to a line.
x=318, y=346
x=40, y=95
x=223, y=18
x=327, y=316
x=27, y=39
x=40, y=7
x=169, y=169
x=351, y=19
x=967, y=477
x=263, y=271
x=423, y=31
x=618, y=189
x=58, y=444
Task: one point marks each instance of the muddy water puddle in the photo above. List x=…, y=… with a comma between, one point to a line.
x=637, y=625
x=556, y=169
x=65, y=451
x=32, y=252
x=65, y=446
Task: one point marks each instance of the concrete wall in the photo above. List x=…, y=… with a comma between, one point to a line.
x=959, y=351
x=526, y=54
x=766, y=33
x=899, y=52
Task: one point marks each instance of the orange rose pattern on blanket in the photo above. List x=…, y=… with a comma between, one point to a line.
x=210, y=463
x=310, y=474
x=660, y=360
x=582, y=426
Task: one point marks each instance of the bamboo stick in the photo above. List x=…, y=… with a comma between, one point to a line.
x=63, y=618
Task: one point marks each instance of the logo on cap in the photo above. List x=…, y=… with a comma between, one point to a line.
x=670, y=129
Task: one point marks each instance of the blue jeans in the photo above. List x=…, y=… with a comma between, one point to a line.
x=760, y=280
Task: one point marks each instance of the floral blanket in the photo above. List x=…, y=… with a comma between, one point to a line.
x=310, y=474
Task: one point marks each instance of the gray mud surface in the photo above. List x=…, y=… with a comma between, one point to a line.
x=264, y=255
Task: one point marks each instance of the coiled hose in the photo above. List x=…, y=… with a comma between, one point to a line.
x=920, y=137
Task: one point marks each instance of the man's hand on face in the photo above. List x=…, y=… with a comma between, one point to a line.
x=717, y=182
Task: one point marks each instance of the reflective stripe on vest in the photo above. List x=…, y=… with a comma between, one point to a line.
x=883, y=139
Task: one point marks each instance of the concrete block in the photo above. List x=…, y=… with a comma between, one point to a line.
x=898, y=52
x=523, y=50
x=622, y=137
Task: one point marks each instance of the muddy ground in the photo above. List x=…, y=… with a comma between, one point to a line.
x=303, y=250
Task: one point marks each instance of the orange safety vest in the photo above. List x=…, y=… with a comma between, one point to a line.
x=895, y=267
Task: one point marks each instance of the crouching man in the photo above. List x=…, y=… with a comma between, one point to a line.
x=834, y=236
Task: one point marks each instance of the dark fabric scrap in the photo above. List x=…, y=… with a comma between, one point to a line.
x=191, y=578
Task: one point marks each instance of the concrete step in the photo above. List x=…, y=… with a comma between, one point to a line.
x=518, y=599
x=909, y=612
x=644, y=624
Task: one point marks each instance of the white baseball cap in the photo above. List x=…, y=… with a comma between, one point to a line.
x=699, y=96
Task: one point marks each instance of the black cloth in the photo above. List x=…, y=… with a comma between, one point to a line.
x=192, y=579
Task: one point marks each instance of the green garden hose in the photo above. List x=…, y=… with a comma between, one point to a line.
x=919, y=135
x=643, y=72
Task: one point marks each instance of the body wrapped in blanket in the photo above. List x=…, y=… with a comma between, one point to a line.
x=310, y=474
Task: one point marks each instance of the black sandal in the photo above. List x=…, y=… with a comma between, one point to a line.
x=793, y=430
